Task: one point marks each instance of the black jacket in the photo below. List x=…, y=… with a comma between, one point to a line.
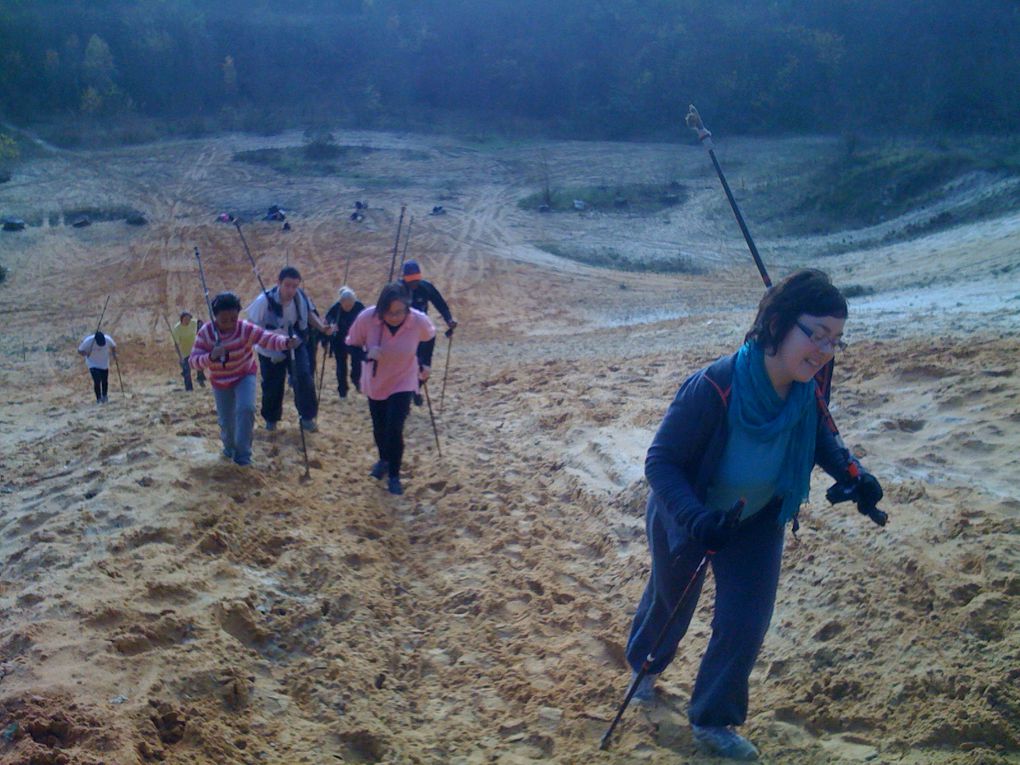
x=689, y=445
x=343, y=320
x=423, y=293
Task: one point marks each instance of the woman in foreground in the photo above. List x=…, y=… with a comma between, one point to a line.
x=747, y=427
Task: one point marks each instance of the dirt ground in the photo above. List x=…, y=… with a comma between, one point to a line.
x=159, y=604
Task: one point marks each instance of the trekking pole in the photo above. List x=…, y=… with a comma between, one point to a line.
x=254, y=267
x=120, y=379
x=844, y=489
x=322, y=372
x=101, y=315
x=208, y=303
x=396, y=242
x=205, y=294
x=435, y=430
x=446, y=370
x=732, y=521
x=407, y=240
x=694, y=122
x=347, y=267
x=180, y=356
x=294, y=377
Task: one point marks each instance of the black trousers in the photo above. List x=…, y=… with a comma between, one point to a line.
x=100, y=381
x=341, y=353
x=388, y=428
x=274, y=379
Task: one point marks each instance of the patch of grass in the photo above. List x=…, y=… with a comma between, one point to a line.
x=633, y=197
x=863, y=188
x=96, y=214
x=608, y=257
x=316, y=158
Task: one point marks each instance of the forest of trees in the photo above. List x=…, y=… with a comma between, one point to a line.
x=598, y=68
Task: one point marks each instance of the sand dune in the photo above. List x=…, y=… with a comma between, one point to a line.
x=160, y=605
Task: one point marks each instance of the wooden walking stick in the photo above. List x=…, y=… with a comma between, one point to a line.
x=435, y=430
x=407, y=240
x=396, y=243
x=120, y=379
x=322, y=372
x=446, y=369
x=101, y=315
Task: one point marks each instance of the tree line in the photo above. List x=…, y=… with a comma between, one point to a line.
x=599, y=68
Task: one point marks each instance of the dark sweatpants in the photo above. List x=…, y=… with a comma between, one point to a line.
x=388, y=428
x=746, y=577
x=100, y=381
x=341, y=352
x=274, y=378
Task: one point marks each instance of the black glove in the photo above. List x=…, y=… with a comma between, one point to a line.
x=714, y=530
x=865, y=491
x=868, y=492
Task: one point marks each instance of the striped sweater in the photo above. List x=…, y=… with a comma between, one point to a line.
x=240, y=360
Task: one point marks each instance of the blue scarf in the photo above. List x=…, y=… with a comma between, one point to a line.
x=758, y=411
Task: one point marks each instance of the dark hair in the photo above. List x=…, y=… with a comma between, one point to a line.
x=185, y=313
x=289, y=272
x=225, y=301
x=100, y=339
x=806, y=291
x=391, y=293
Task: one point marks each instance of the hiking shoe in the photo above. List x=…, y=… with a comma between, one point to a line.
x=645, y=692
x=343, y=394
x=723, y=742
x=379, y=469
x=393, y=486
x=309, y=425
x=270, y=425
x=418, y=400
x=105, y=400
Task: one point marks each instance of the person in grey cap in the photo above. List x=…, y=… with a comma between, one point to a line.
x=343, y=313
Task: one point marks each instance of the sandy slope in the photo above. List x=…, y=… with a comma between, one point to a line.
x=157, y=604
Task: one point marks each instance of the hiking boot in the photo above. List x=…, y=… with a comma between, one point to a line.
x=343, y=394
x=309, y=425
x=722, y=741
x=105, y=400
x=393, y=485
x=418, y=400
x=270, y=425
x=379, y=469
x=645, y=692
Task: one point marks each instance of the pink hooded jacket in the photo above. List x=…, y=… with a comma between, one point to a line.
x=397, y=367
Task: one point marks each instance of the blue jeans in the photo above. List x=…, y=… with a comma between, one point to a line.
x=236, y=410
x=746, y=578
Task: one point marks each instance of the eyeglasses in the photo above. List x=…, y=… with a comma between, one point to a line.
x=822, y=340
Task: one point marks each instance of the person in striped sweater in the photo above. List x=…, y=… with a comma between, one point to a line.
x=223, y=348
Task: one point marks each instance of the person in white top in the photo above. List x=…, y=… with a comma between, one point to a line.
x=97, y=349
x=287, y=310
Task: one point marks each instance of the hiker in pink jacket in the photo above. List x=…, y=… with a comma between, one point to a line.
x=390, y=332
